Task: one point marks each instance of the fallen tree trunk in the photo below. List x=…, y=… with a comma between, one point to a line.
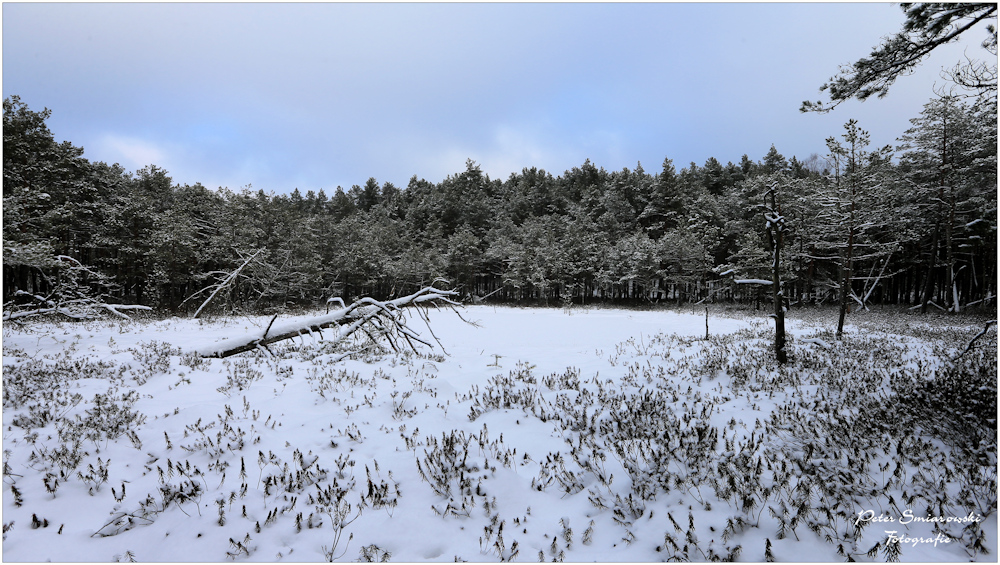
x=387, y=315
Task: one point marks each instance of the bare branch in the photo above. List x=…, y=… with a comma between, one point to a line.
x=228, y=280
x=986, y=328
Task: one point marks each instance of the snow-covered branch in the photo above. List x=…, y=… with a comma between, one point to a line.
x=85, y=307
x=972, y=342
x=76, y=310
x=386, y=314
x=225, y=283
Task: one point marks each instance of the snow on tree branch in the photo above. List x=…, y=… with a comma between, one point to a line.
x=387, y=316
x=223, y=284
x=73, y=295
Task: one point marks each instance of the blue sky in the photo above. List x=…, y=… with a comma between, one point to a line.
x=319, y=95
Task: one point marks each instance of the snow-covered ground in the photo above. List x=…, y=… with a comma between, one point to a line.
x=581, y=435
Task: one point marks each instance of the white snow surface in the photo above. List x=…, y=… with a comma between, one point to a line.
x=381, y=420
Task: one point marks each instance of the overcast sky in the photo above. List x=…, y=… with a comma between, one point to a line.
x=319, y=95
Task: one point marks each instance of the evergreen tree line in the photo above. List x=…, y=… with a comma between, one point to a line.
x=914, y=225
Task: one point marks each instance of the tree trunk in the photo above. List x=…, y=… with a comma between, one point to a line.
x=848, y=266
x=952, y=291
x=775, y=229
x=929, y=282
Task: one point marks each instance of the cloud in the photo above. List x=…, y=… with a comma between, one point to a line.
x=508, y=148
x=320, y=95
x=131, y=152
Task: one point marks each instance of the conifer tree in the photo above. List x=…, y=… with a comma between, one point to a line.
x=953, y=180
x=928, y=26
x=853, y=208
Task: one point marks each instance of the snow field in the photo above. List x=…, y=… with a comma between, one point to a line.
x=576, y=435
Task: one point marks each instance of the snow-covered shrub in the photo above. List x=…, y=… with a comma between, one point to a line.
x=239, y=375
x=446, y=467
x=110, y=417
x=372, y=553
x=30, y=380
